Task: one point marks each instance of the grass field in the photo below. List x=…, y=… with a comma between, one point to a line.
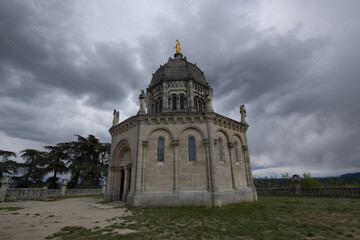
x=269, y=218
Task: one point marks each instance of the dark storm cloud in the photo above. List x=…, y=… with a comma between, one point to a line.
x=40, y=50
x=44, y=55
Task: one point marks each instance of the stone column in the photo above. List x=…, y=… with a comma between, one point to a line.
x=231, y=147
x=246, y=163
x=144, y=145
x=175, y=144
x=247, y=158
x=64, y=184
x=191, y=95
x=117, y=183
x=126, y=181
x=296, y=179
x=5, y=182
x=211, y=152
x=104, y=187
x=136, y=174
x=208, y=170
x=43, y=194
x=164, y=96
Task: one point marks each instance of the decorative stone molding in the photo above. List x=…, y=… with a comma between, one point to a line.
x=123, y=126
x=231, y=145
x=144, y=143
x=206, y=142
x=175, y=142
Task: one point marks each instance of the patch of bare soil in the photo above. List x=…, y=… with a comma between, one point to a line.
x=39, y=219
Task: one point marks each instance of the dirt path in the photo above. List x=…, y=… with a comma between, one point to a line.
x=39, y=219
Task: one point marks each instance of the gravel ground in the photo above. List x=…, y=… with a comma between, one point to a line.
x=39, y=219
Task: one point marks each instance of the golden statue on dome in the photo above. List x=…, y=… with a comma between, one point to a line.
x=177, y=47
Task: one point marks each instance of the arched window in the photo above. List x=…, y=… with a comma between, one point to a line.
x=181, y=102
x=236, y=152
x=160, y=150
x=174, y=102
x=220, y=150
x=191, y=146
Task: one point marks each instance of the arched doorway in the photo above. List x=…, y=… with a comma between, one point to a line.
x=121, y=168
x=125, y=173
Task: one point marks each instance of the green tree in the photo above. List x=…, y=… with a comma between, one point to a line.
x=33, y=173
x=55, y=163
x=8, y=166
x=308, y=182
x=288, y=181
x=87, y=161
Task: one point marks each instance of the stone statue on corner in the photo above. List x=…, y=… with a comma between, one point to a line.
x=208, y=101
x=142, y=98
x=243, y=113
x=116, y=117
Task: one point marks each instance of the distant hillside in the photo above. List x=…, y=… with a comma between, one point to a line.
x=351, y=175
x=348, y=179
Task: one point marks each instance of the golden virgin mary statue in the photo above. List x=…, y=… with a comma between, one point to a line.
x=177, y=47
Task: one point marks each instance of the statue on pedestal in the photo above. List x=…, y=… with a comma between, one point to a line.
x=177, y=47
x=116, y=117
x=208, y=101
x=243, y=113
x=142, y=98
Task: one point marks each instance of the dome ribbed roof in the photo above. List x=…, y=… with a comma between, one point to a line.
x=177, y=69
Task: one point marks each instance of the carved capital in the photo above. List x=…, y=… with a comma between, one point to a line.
x=144, y=144
x=215, y=141
x=230, y=145
x=206, y=142
x=175, y=143
x=245, y=148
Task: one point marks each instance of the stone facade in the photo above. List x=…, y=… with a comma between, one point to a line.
x=179, y=151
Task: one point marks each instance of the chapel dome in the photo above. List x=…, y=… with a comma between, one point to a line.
x=178, y=69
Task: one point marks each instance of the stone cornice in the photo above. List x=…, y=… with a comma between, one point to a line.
x=124, y=126
x=229, y=123
x=178, y=118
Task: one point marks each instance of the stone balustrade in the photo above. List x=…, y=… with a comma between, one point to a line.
x=318, y=191
x=13, y=194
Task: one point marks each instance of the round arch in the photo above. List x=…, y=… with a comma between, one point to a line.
x=238, y=137
x=160, y=128
x=223, y=132
x=191, y=127
x=121, y=148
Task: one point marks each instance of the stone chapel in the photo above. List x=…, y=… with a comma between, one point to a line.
x=177, y=150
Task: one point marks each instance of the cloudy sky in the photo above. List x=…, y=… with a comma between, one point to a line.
x=64, y=66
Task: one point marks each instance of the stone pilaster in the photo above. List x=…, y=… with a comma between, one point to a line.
x=231, y=148
x=191, y=95
x=175, y=144
x=211, y=152
x=144, y=145
x=164, y=97
x=208, y=170
x=136, y=175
